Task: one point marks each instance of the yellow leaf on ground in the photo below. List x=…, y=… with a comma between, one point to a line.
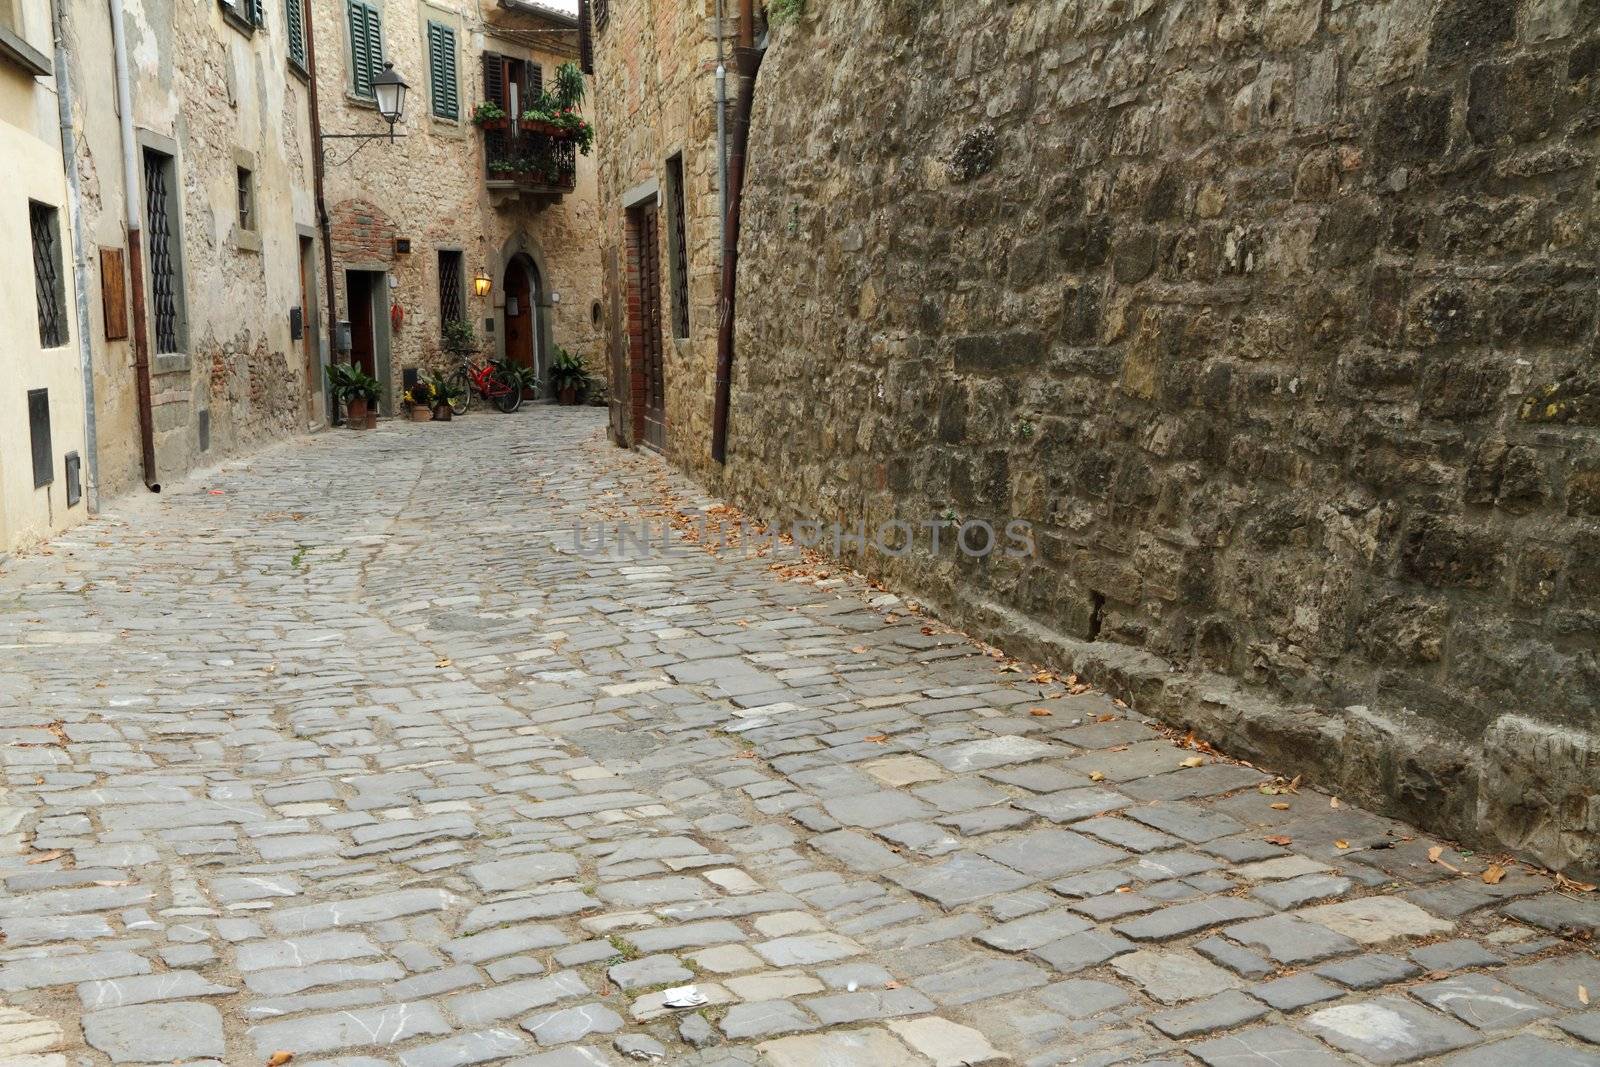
x=1434, y=853
x=444, y=661
x=1039, y=713
x=1193, y=761
x=1341, y=844
x=279, y=1058
x=1494, y=874
x=1279, y=806
x=46, y=857
x=1583, y=995
x=1333, y=802
x=1279, y=839
x=876, y=739
x=1097, y=776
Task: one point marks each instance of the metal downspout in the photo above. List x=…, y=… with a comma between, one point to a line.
x=722, y=138
x=747, y=59
x=80, y=259
x=330, y=406
x=130, y=196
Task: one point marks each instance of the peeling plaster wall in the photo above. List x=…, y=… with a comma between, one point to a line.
x=218, y=98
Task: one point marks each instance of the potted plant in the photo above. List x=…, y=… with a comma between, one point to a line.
x=358, y=390
x=366, y=390
x=568, y=379
x=442, y=391
x=489, y=116
x=419, y=398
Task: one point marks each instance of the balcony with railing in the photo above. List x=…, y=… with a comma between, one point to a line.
x=528, y=157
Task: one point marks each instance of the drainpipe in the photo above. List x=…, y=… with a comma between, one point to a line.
x=80, y=258
x=747, y=60
x=330, y=407
x=722, y=136
x=130, y=197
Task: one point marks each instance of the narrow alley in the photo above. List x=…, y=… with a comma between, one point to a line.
x=346, y=751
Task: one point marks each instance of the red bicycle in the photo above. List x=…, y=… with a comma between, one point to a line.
x=499, y=381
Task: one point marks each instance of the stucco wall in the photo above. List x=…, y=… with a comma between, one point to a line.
x=1276, y=321
x=31, y=170
x=430, y=188
x=215, y=98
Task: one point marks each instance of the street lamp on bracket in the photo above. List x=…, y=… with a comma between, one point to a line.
x=389, y=92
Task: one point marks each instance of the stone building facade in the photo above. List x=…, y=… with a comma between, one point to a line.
x=43, y=432
x=1277, y=324
x=221, y=124
x=656, y=121
x=414, y=222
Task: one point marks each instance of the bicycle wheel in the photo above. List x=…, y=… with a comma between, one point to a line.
x=461, y=392
x=510, y=400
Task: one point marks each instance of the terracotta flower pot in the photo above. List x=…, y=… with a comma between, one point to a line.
x=421, y=414
x=357, y=409
x=372, y=418
x=442, y=412
x=502, y=123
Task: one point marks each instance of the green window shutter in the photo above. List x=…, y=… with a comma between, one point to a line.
x=366, y=47
x=295, y=15
x=258, y=13
x=442, y=80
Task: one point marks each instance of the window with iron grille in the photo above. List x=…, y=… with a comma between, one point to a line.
x=295, y=13
x=443, y=85
x=247, y=199
x=677, y=253
x=48, y=286
x=452, y=298
x=602, y=13
x=366, y=47
x=247, y=15
x=161, y=230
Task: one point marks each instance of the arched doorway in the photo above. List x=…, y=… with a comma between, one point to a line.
x=522, y=311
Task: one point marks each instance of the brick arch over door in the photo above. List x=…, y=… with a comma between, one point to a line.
x=362, y=235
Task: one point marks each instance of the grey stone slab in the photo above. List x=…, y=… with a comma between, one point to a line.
x=648, y=892
x=980, y=980
x=1557, y=980
x=1081, y=998
x=1268, y=1046
x=156, y=1033
x=1560, y=913
x=1482, y=1001
x=870, y=810
x=649, y=971
x=1296, y=991
x=1125, y=833
x=856, y=851
x=1191, y=822
x=572, y=1024
x=1173, y=977
x=1454, y=956
x=992, y=752
x=866, y=1047
x=514, y=998
x=1294, y=892
x=1221, y=1012
x=1182, y=919
x=764, y=1018
x=506, y=941
x=1369, y=971
x=304, y=951
x=1585, y=1027
x=1238, y=960
x=1052, y=853
x=360, y=910
x=145, y=988
x=1034, y=930
x=961, y=879
x=1388, y=1030
x=1290, y=940
x=1524, y=1050
x=842, y=1008
x=69, y=969
x=1071, y=805
x=463, y=1050
x=522, y=872
x=1077, y=951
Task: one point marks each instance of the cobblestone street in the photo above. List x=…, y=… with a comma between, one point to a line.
x=344, y=751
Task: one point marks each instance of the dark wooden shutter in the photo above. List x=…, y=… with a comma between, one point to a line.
x=442, y=71
x=294, y=12
x=494, y=79
x=44, y=472
x=532, y=83
x=602, y=14
x=258, y=15
x=585, y=39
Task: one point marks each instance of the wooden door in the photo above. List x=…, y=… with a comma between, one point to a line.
x=308, y=335
x=363, y=344
x=523, y=323
x=651, y=369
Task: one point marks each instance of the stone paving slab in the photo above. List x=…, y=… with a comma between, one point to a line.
x=348, y=751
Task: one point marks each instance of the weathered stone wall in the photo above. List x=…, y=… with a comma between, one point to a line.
x=1277, y=322
x=430, y=188
x=655, y=97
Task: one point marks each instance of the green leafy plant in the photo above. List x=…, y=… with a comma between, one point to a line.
x=459, y=338
x=782, y=11
x=442, y=389
x=488, y=111
x=515, y=374
x=422, y=395
x=570, y=86
x=365, y=386
x=567, y=372
x=348, y=382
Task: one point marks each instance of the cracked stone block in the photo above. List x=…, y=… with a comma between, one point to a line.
x=1270, y=1046
x=961, y=879
x=872, y=810
x=1240, y=961
x=23, y=1034
x=1289, y=940
x=1082, y=998
x=571, y=1024
x=1562, y=914
x=1369, y=971
x=900, y=771
x=762, y=1018
x=1174, y=977
x=981, y=980
x=1078, y=951
x=649, y=971
x=1585, y=1027
x=856, y=851
x=1031, y=931
x=992, y=752
x=1376, y=920
x=774, y=985
x=156, y=1033
x=1227, y=1009
x=843, y=1008
x=1182, y=919
x=1482, y=1001
x=1052, y=853
x=1388, y=1030
x=803, y=950
x=869, y=1047
x=1071, y=805
x=480, y=1046
x=1294, y=892
x=1296, y=991
x=1558, y=980
x=1525, y=1050
x=142, y=989
x=1454, y=956
x=946, y=1043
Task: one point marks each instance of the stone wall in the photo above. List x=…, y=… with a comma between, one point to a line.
x=430, y=188
x=1275, y=320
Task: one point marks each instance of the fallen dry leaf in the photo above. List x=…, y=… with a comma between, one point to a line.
x=444, y=661
x=1124, y=888
x=1341, y=844
x=1583, y=995
x=1279, y=839
x=1105, y=717
x=279, y=1058
x=1039, y=713
x=891, y=984
x=1563, y=882
x=1434, y=853
x=876, y=739
x=1494, y=874
x=1097, y=776
x=1279, y=806
x=47, y=856
x=1333, y=802
x=1193, y=761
